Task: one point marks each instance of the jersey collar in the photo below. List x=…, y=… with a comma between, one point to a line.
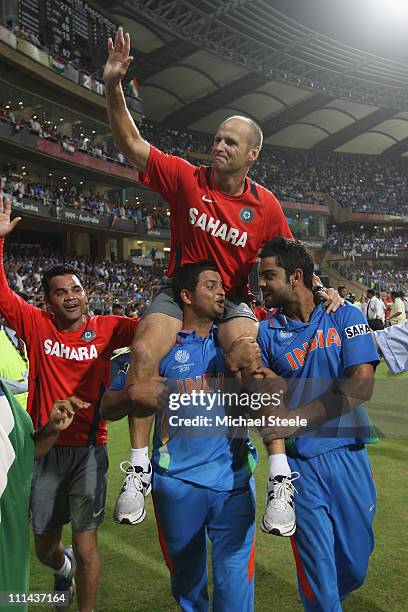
x=186, y=335
x=281, y=321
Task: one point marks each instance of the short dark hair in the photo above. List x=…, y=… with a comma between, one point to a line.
x=370, y=292
x=186, y=277
x=58, y=270
x=290, y=255
x=395, y=294
x=341, y=287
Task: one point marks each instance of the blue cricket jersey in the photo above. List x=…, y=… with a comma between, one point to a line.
x=203, y=451
x=311, y=356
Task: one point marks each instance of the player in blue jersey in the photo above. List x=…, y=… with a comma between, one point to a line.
x=328, y=362
x=202, y=472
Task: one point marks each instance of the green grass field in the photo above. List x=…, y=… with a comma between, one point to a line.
x=135, y=577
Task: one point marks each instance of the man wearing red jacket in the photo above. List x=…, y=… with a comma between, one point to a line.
x=216, y=213
x=69, y=354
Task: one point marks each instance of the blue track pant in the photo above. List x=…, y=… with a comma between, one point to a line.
x=335, y=509
x=186, y=515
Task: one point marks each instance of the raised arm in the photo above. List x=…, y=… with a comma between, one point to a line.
x=124, y=130
x=12, y=307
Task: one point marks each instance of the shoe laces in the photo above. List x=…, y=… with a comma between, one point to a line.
x=132, y=477
x=282, y=491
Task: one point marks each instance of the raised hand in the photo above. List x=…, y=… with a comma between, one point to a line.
x=118, y=58
x=6, y=226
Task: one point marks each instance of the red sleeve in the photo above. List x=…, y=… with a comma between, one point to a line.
x=163, y=174
x=275, y=220
x=124, y=329
x=18, y=314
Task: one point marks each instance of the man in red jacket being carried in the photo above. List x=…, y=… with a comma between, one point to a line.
x=216, y=213
x=69, y=354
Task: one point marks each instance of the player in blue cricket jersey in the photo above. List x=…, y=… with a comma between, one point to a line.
x=202, y=472
x=328, y=362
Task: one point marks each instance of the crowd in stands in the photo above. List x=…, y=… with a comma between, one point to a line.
x=90, y=144
x=75, y=197
x=367, y=184
x=350, y=243
x=107, y=282
x=380, y=277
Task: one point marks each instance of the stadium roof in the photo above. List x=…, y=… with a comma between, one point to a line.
x=200, y=61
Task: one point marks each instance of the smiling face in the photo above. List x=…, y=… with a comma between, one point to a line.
x=276, y=288
x=233, y=147
x=207, y=299
x=67, y=300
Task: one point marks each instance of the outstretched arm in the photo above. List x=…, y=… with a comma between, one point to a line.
x=12, y=307
x=124, y=130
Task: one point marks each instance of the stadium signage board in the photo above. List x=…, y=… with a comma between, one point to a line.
x=29, y=207
x=73, y=215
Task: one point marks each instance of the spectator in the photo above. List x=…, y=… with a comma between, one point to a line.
x=397, y=310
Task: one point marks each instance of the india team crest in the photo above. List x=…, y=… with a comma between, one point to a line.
x=285, y=333
x=88, y=335
x=182, y=356
x=246, y=215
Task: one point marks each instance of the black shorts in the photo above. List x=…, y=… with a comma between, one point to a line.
x=164, y=302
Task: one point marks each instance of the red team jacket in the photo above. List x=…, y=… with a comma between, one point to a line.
x=209, y=224
x=65, y=363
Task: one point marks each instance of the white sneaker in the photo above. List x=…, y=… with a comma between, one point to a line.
x=279, y=517
x=130, y=505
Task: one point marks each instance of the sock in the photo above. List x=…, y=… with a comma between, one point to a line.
x=140, y=456
x=278, y=465
x=65, y=568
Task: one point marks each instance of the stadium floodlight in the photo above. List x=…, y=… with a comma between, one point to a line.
x=392, y=9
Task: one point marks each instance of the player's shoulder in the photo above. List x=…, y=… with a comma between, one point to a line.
x=346, y=317
x=263, y=194
x=177, y=159
x=110, y=321
x=269, y=327
x=264, y=327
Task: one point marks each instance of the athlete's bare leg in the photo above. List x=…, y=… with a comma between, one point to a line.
x=50, y=549
x=154, y=338
x=88, y=569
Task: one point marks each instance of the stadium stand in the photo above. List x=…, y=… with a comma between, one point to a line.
x=380, y=277
x=108, y=282
x=368, y=242
x=317, y=100
x=364, y=183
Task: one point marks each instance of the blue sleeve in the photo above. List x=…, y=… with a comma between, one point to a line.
x=119, y=382
x=263, y=341
x=356, y=341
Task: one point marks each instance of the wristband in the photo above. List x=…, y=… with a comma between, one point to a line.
x=317, y=289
